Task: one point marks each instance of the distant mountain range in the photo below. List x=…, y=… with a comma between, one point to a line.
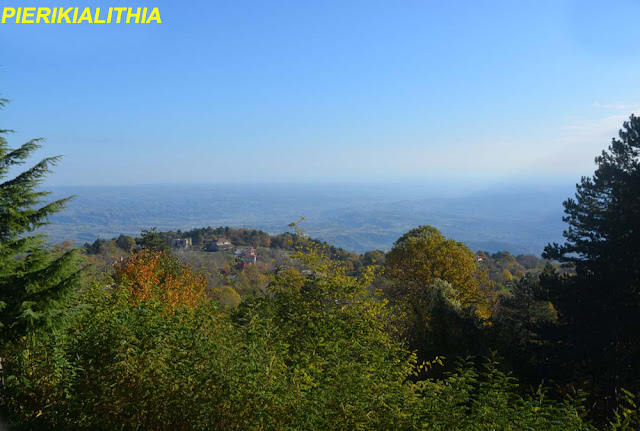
x=521, y=219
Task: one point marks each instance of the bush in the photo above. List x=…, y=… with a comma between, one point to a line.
x=227, y=297
x=313, y=354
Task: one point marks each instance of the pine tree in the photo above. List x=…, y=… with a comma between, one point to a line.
x=600, y=306
x=35, y=280
x=151, y=239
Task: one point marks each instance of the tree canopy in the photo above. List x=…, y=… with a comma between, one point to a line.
x=34, y=279
x=423, y=255
x=600, y=306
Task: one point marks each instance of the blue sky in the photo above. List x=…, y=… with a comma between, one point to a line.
x=291, y=91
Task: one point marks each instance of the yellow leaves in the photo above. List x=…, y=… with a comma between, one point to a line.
x=424, y=255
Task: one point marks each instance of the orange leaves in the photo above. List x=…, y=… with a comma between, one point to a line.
x=155, y=275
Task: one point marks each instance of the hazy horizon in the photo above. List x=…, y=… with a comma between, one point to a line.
x=356, y=217
x=289, y=91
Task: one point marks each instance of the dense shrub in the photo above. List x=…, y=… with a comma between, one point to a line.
x=313, y=354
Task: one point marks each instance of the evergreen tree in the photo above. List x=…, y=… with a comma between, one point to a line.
x=34, y=278
x=600, y=306
x=151, y=239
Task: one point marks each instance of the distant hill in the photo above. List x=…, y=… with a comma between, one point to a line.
x=354, y=217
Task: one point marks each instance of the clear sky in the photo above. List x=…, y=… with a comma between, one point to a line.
x=332, y=90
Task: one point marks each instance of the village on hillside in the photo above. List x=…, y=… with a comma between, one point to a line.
x=245, y=256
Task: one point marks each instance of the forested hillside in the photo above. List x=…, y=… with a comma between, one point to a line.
x=236, y=329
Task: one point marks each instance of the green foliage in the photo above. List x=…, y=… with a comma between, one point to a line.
x=627, y=414
x=604, y=216
x=520, y=328
x=153, y=240
x=424, y=255
x=239, y=237
x=256, y=238
x=126, y=243
x=226, y=296
x=600, y=306
x=440, y=296
x=499, y=263
x=313, y=354
x=524, y=312
x=374, y=257
x=35, y=281
x=487, y=399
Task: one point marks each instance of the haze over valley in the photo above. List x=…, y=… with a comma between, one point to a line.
x=357, y=217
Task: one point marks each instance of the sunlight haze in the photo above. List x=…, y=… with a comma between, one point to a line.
x=297, y=91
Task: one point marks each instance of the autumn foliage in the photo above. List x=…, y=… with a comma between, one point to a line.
x=423, y=255
x=156, y=275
